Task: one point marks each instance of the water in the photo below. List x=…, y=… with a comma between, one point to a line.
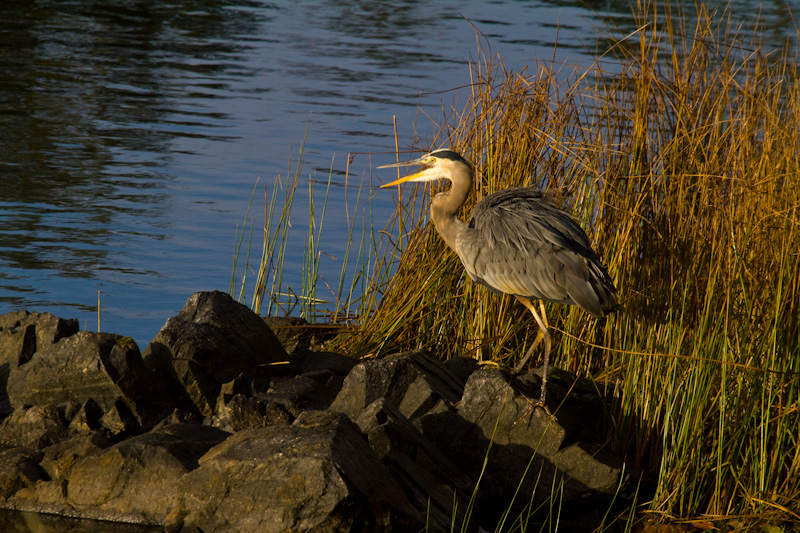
x=133, y=133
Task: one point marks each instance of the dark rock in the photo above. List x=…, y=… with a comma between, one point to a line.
x=137, y=479
x=308, y=362
x=211, y=341
x=19, y=468
x=143, y=395
x=415, y=382
x=309, y=391
x=322, y=443
x=48, y=328
x=59, y=458
x=527, y=450
x=48, y=494
x=297, y=335
x=432, y=482
x=87, y=418
x=36, y=427
x=106, y=369
x=21, y=334
x=238, y=412
x=71, y=369
x=462, y=367
x=318, y=475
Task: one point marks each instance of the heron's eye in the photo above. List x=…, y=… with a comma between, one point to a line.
x=432, y=160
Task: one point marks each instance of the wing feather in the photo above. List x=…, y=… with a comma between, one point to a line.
x=518, y=243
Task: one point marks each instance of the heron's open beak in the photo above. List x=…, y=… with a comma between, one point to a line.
x=405, y=164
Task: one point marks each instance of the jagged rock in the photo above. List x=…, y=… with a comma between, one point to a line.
x=529, y=453
x=58, y=459
x=48, y=328
x=282, y=398
x=297, y=335
x=238, y=412
x=19, y=468
x=309, y=391
x=322, y=443
x=104, y=368
x=308, y=362
x=36, y=427
x=71, y=369
x=87, y=418
x=415, y=382
x=211, y=341
x=143, y=395
x=432, y=482
x=21, y=334
x=318, y=475
x=137, y=479
x=48, y=494
x=500, y=411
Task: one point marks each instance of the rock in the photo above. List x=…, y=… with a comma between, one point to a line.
x=526, y=450
x=211, y=341
x=502, y=413
x=71, y=369
x=21, y=334
x=308, y=362
x=48, y=328
x=432, y=482
x=297, y=335
x=415, y=382
x=36, y=427
x=144, y=396
x=19, y=468
x=57, y=460
x=318, y=475
x=308, y=391
x=137, y=480
x=316, y=381
x=238, y=412
x=99, y=367
x=320, y=442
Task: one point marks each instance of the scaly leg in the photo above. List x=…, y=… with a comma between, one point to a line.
x=543, y=334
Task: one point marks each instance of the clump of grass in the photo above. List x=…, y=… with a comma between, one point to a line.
x=364, y=264
x=684, y=166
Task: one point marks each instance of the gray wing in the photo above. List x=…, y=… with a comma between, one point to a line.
x=518, y=243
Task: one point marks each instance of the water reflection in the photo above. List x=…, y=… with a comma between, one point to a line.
x=133, y=131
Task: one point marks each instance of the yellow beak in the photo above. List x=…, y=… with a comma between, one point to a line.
x=410, y=177
x=403, y=179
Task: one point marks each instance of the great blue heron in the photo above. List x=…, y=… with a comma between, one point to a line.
x=518, y=243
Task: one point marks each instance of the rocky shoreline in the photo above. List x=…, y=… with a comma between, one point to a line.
x=220, y=425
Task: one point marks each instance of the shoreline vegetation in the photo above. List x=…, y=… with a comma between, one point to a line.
x=683, y=165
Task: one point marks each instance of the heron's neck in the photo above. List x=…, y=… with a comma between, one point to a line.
x=444, y=211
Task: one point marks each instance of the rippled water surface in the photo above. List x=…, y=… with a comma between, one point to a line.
x=133, y=132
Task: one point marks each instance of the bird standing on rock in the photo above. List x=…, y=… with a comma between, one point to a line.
x=518, y=243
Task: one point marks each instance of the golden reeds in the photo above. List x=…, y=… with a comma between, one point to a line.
x=685, y=169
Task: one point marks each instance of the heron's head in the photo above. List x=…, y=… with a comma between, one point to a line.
x=436, y=165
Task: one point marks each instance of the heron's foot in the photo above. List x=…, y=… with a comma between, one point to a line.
x=534, y=403
x=495, y=364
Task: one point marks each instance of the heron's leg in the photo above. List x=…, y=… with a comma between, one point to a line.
x=544, y=335
x=536, y=341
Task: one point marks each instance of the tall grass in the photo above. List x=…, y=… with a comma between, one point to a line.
x=684, y=165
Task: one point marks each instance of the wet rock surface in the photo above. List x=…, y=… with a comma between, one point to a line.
x=216, y=426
